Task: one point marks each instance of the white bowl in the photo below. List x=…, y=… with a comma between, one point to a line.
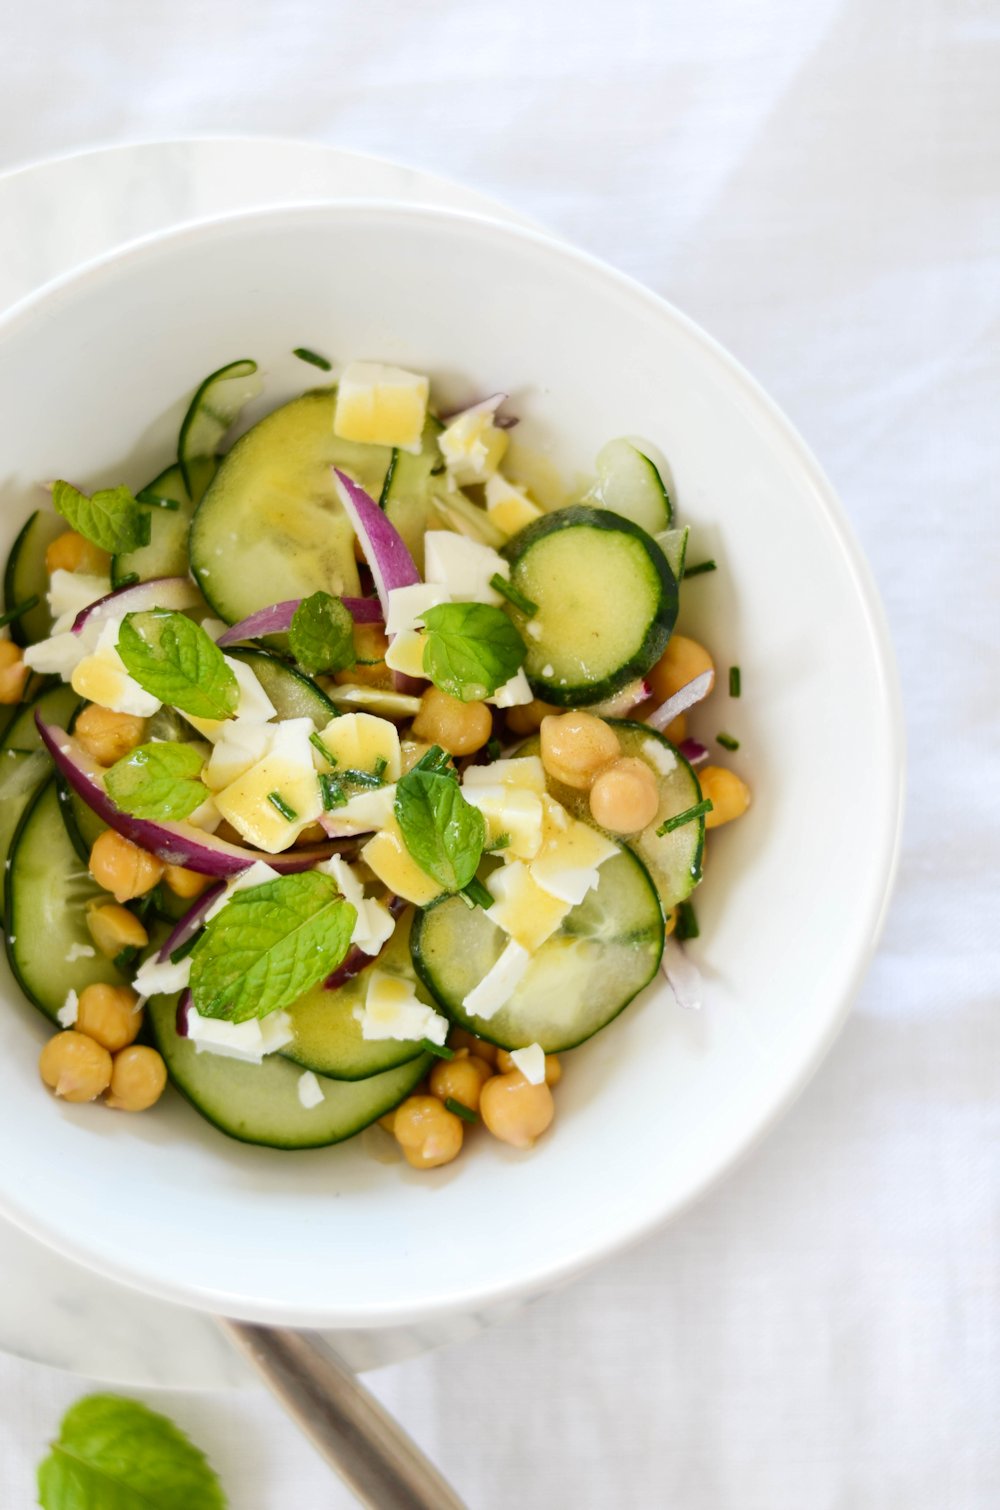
x=94, y=370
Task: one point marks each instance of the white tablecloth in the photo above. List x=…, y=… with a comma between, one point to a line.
x=817, y=184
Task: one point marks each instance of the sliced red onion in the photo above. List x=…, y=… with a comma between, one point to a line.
x=159, y=592
x=624, y=701
x=175, y=843
x=190, y=922
x=278, y=618
x=683, y=976
x=691, y=693
x=484, y=405
x=384, y=549
x=356, y=960
x=693, y=751
x=184, y=1004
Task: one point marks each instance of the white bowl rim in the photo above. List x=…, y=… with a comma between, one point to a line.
x=887, y=749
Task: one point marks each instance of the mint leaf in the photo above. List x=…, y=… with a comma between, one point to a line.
x=269, y=944
x=471, y=650
x=110, y=518
x=444, y=833
x=173, y=659
x=321, y=634
x=158, y=781
x=115, y=1454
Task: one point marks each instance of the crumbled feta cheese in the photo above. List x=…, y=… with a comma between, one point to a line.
x=567, y=867
x=534, y=629
x=254, y=875
x=658, y=755
x=511, y=810
x=57, y=656
x=514, y=693
x=516, y=770
x=310, y=1090
x=249, y=1041
x=408, y=604
x=79, y=951
x=253, y=708
x=521, y=907
x=472, y=445
x=70, y=592
x=387, y=855
x=509, y=507
x=406, y=653
x=287, y=770
x=361, y=814
x=206, y=816
x=381, y=405
x=358, y=742
x=237, y=748
x=548, y=671
x=68, y=1012
x=499, y=983
x=375, y=922
x=101, y=677
x=531, y=1063
x=392, y=1010
x=463, y=566
x=159, y=978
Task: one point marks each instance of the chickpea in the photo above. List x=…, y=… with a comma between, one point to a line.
x=71, y=552
x=108, y=736
x=677, y=730
x=122, y=868
x=388, y=1122
x=460, y=728
x=459, y=1039
x=113, y=928
x=427, y=1132
x=526, y=718
x=75, y=1067
x=185, y=883
x=730, y=797
x=575, y=746
x=553, y=1069
x=679, y=664
x=514, y=1110
x=137, y=1079
x=107, y=1014
x=460, y=1079
x=625, y=797
x=369, y=669
x=13, y=672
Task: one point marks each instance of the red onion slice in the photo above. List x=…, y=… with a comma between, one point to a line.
x=184, y=1004
x=384, y=549
x=278, y=618
x=691, y=693
x=683, y=976
x=693, y=751
x=175, y=843
x=159, y=592
x=190, y=922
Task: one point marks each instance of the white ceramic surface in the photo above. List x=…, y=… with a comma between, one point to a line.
x=662, y=1104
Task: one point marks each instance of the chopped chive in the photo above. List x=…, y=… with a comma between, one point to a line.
x=143, y=905
x=129, y=580
x=390, y=472
x=465, y=1112
x=502, y=841
x=361, y=778
x=439, y=1050
x=494, y=749
x=381, y=765
x=323, y=749
x=126, y=957
x=183, y=950
x=734, y=681
x=477, y=894
x=17, y=611
x=686, y=926
x=727, y=741
x=434, y=759
x=514, y=597
x=699, y=567
x=157, y=500
x=688, y=816
x=277, y=801
x=436, y=471
x=332, y=793
x=313, y=357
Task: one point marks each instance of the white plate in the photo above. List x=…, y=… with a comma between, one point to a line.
x=59, y=214
x=653, y=1111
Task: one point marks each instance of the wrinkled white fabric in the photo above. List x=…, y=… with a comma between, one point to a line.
x=816, y=184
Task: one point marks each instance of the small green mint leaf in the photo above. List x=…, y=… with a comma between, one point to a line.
x=443, y=832
x=157, y=781
x=173, y=659
x=321, y=634
x=110, y=518
x=472, y=649
x=269, y=944
x=115, y=1454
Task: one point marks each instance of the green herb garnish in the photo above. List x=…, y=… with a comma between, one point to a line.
x=699, y=568
x=128, y=580
x=157, y=500
x=727, y=741
x=323, y=749
x=126, y=958
x=444, y=833
x=465, y=1112
x=686, y=926
x=434, y=759
x=183, y=950
x=18, y=610
x=688, y=816
x=381, y=766
x=471, y=650
x=365, y=779
x=477, y=894
x=312, y=357
x=494, y=749
x=321, y=634
x=734, y=681
x=158, y=781
x=502, y=841
x=390, y=472
x=332, y=793
x=280, y=805
x=439, y=1050
x=174, y=659
x=111, y=518
x=514, y=597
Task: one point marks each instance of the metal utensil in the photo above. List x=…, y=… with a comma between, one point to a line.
x=367, y=1447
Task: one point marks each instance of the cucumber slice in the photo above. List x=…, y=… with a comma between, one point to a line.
x=410, y=486
x=212, y=412
x=606, y=950
x=166, y=555
x=22, y=772
x=57, y=705
x=260, y=1103
x=674, y=860
x=271, y=526
x=629, y=483
x=47, y=895
x=25, y=576
x=327, y=1037
x=293, y=694
x=82, y=824
x=674, y=544
x=607, y=601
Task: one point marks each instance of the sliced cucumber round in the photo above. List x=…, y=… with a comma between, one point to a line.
x=260, y=1103
x=166, y=555
x=408, y=488
x=271, y=526
x=602, y=955
x=57, y=705
x=327, y=1036
x=606, y=597
x=293, y=694
x=47, y=894
x=630, y=484
x=26, y=577
x=213, y=411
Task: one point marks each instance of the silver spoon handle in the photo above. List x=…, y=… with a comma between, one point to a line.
x=366, y=1446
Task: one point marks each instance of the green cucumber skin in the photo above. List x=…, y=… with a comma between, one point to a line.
x=155, y=559
x=293, y=694
x=25, y=578
x=184, y=461
x=659, y=630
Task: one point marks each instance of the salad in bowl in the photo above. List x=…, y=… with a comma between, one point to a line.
x=343, y=782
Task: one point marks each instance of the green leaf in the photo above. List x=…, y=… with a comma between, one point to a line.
x=111, y=518
x=444, y=833
x=115, y=1454
x=471, y=650
x=173, y=659
x=269, y=944
x=158, y=781
x=321, y=634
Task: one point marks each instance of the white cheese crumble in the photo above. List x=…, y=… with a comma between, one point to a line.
x=310, y=1090
x=249, y=1040
x=160, y=977
x=375, y=922
x=68, y=1012
x=391, y=1010
x=657, y=754
x=79, y=951
x=254, y=875
x=531, y=1063
x=408, y=604
x=463, y=566
x=499, y=983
